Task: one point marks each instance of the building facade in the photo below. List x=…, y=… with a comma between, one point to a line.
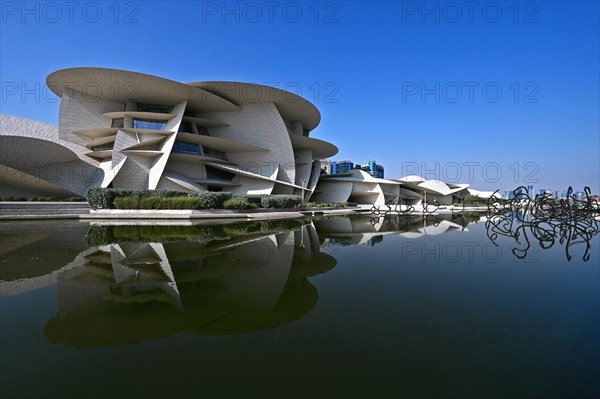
x=327, y=166
x=360, y=187
x=334, y=167
x=373, y=169
x=125, y=129
x=341, y=167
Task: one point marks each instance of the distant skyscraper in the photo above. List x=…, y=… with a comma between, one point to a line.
x=557, y=194
x=373, y=169
x=518, y=191
x=544, y=192
x=530, y=191
x=343, y=166
x=370, y=167
x=328, y=166
x=508, y=194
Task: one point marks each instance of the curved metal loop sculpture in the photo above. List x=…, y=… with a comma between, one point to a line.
x=395, y=206
x=462, y=210
x=572, y=220
x=428, y=210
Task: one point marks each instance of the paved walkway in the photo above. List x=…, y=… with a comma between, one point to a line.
x=81, y=210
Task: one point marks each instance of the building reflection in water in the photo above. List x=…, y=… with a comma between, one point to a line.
x=220, y=280
x=136, y=282
x=371, y=230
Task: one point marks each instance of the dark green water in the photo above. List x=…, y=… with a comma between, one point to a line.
x=344, y=307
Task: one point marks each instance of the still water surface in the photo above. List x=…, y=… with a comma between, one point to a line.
x=342, y=307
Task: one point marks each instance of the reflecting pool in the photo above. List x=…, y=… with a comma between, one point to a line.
x=419, y=306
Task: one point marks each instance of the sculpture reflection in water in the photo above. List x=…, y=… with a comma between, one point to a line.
x=139, y=282
x=544, y=220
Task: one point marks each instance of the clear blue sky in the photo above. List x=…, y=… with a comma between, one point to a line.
x=373, y=69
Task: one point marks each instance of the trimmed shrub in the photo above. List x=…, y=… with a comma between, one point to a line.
x=280, y=201
x=127, y=203
x=256, y=199
x=12, y=198
x=212, y=200
x=238, y=202
x=104, y=198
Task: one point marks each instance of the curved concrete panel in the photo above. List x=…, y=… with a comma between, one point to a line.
x=332, y=191
x=320, y=149
x=119, y=86
x=259, y=125
x=35, y=162
x=291, y=106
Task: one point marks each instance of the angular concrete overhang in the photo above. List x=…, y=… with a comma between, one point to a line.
x=320, y=149
x=121, y=86
x=291, y=106
x=219, y=143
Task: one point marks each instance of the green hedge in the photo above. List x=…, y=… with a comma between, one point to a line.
x=156, y=202
x=181, y=202
x=239, y=202
x=111, y=198
x=127, y=203
x=12, y=198
x=105, y=198
x=255, y=199
x=210, y=200
x=280, y=201
x=152, y=202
